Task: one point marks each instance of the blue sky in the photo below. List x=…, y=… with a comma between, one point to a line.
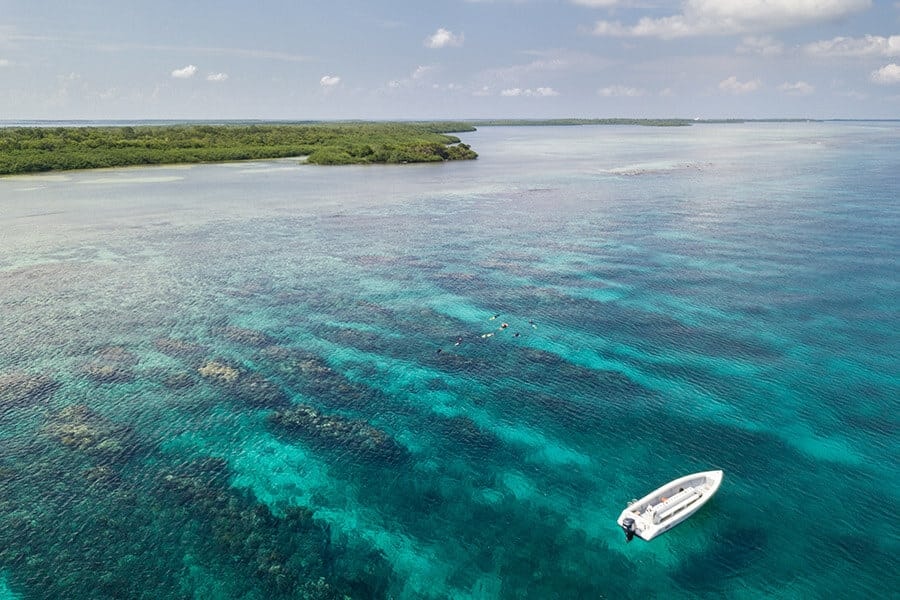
x=399, y=59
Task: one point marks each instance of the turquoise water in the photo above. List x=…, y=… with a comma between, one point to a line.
x=266, y=380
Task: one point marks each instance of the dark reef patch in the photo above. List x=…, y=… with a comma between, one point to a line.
x=467, y=437
x=244, y=336
x=291, y=556
x=123, y=533
x=353, y=436
x=116, y=355
x=182, y=349
x=80, y=428
x=245, y=386
x=107, y=373
x=312, y=376
x=179, y=381
x=19, y=389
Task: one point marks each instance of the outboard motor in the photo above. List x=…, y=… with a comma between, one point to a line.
x=629, y=529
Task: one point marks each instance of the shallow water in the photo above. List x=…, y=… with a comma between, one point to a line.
x=676, y=300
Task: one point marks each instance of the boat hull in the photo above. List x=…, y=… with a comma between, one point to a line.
x=668, y=505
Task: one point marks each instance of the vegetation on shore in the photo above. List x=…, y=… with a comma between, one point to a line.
x=32, y=150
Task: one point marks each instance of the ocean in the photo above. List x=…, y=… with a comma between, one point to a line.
x=272, y=380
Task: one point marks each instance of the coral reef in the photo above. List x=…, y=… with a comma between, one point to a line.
x=179, y=381
x=291, y=556
x=102, y=476
x=107, y=373
x=111, y=364
x=468, y=436
x=247, y=337
x=80, y=428
x=116, y=355
x=19, y=389
x=180, y=348
x=245, y=386
x=350, y=435
x=140, y=531
x=311, y=375
x=219, y=372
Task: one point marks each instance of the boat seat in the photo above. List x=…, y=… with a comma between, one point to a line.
x=672, y=505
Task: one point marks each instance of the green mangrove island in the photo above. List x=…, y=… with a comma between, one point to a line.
x=38, y=149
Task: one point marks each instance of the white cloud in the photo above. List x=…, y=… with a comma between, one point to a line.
x=443, y=38
x=762, y=46
x=887, y=74
x=870, y=45
x=185, y=73
x=620, y=91
x=4, y=62
x=733, y=86
x=800, y=88
x=541, y=92
x=217, y=77
x=730, y=17
x=329, y=81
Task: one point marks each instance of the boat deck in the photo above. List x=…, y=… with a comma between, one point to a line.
x=670, y=504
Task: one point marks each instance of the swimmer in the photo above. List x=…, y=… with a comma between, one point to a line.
x=486, y=335
x=532, y=324
x=458, y=341
x=516, y=334
x=494, y=317
x=439, y=350
x=504, y=325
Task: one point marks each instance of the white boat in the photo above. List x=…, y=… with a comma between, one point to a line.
x=667, y=506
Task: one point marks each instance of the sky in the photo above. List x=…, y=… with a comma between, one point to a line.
x=458, y=59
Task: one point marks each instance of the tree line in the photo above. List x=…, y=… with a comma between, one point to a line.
x=38, y=149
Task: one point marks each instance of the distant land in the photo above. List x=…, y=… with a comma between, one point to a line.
x=39, y=146
x=42, y=149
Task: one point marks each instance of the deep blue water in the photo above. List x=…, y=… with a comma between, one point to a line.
x=267, y=379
